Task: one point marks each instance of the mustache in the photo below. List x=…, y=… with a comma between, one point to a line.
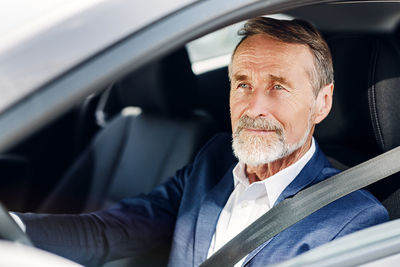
x=258, y=124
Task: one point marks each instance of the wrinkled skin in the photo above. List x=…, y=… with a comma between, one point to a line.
x=271, y=80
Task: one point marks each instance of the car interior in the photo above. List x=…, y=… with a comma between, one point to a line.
x=136, y=132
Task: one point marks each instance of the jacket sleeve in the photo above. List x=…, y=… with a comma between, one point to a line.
x=132, y=226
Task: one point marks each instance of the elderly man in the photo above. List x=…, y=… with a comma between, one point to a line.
x=281, y=87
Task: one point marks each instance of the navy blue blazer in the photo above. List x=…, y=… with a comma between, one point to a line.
x=184, y=211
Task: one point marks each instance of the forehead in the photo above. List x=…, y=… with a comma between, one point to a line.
x=261, y=52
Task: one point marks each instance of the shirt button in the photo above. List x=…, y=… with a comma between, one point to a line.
x=244, y=204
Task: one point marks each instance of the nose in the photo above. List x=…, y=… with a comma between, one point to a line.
x=259, y=104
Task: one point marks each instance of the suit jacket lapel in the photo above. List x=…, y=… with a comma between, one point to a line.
x=210, y=209
x=308, y=176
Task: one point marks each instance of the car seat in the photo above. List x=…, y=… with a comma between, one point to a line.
x=149, y=130
x=364, y=120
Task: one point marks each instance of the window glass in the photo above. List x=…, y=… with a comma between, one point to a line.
x=214, y=50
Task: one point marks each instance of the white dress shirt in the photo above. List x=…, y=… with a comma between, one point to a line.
x=248, y=202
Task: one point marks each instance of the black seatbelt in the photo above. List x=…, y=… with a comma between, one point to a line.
x=304, y=203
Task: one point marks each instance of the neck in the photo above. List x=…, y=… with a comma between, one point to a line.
x=263, y=171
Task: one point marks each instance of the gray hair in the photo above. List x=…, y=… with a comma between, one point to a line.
x=298, y=32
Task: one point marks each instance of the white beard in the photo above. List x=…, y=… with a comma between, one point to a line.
x=253, y=149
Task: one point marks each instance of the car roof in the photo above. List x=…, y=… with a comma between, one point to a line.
x=42, y=39
x=352, y=16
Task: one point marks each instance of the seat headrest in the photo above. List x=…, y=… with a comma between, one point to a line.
x=365, y=112
x=165, y=86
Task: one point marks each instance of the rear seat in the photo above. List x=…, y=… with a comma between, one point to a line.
x=139, y=147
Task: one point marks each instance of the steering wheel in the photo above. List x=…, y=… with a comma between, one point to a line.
x=13, y=254
x=9, y=229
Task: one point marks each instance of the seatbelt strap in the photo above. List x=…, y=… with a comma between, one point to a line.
x=304, y=203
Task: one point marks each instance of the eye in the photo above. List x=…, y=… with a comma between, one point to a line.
x=278, y=87
x=244, y=86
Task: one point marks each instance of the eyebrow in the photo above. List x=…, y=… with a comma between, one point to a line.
x=274, y=78
x=280, y=79
x=240, y=77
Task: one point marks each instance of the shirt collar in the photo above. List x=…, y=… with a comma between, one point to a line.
x=275, y=184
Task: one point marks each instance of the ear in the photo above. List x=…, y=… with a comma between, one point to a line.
x=323, y=103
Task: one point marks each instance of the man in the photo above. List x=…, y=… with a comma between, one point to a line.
x=281, y=87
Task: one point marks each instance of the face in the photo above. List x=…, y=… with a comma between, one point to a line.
x=273, y=107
